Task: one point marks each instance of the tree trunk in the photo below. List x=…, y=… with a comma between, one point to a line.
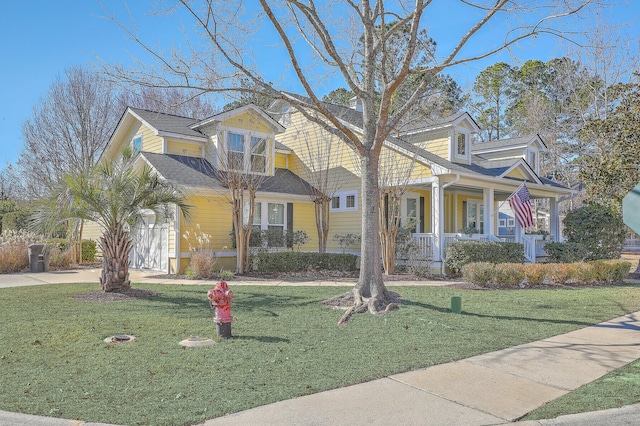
x=116, y=245
x=370, y=284
x=322, y=223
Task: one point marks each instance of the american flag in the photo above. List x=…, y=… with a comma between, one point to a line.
x=520, y=203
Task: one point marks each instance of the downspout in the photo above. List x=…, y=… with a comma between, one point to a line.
x=176, y=243
x=445, y=186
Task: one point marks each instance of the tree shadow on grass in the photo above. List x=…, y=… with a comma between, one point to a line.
x=262, y=339
x=499, y=317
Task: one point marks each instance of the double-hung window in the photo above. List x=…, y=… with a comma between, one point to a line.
x=247, y=152
x=270, y=217
x=460, y=142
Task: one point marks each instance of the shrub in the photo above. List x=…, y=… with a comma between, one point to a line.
x=534, y=273
x=600, y=229
x=601, y=272
x=461, y=253
x=479, y=273
x=566, y=252
x=411, y=256
x=14, y=250
x=297, y=261
x=510, y=274
x=203, y=265
x=59, y=258
x=346, y=240
x=89, y=250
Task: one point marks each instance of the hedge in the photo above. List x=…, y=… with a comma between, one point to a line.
x=288, y=261
x=515, y=274
x=461, y=253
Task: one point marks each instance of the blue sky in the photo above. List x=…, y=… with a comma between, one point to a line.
x=40, y=38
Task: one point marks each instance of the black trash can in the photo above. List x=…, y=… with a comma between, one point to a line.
x=38, y=258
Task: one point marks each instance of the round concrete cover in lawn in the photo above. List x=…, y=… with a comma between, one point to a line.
x=197, y=342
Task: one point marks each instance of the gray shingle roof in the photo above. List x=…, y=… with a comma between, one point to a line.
x=167, y=123
x=199, y=173
x=505, y=143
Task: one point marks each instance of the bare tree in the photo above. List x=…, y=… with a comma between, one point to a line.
x=318, y=150
x=168, y=101
x=372, y=61
x=243, y=175
x=68, y=129
x=394, y=178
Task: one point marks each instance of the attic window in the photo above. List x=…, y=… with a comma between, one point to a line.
x=461, y=145
x=136, y=144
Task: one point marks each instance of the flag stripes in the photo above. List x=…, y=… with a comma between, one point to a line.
x=520, y=202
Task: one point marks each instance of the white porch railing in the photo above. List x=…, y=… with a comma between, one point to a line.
x=533, y=246
x=529, y=248
x=426, y=244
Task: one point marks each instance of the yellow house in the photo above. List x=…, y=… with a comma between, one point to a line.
x=451, y=183
x=188, y=153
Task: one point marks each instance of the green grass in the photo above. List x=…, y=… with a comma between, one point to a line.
x=616, y=389
x=53, y=360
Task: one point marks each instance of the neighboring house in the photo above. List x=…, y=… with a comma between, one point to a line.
x=454, y=183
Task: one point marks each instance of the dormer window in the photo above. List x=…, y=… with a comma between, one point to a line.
x=247, y=152
x=461, y=141
x=533, y=160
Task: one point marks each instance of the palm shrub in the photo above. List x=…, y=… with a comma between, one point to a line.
x=114, y=194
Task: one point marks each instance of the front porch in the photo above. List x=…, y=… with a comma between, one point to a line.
x=457, y=208
x=533, y=245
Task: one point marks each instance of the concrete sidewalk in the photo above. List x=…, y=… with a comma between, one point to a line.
x=489, y=389
x=91, y=275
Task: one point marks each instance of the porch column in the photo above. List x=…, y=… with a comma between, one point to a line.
x=519, y=232
x=437, y=218
x=554, y=219
x=489, y=212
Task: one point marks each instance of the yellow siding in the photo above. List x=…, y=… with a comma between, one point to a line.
x=281, y=161
x=439, y=146
x=248, y=122
x=517, y=174
x=213, y=215
x=183, y=148
x=150, y=142
x=316, y=149
x=304, y=219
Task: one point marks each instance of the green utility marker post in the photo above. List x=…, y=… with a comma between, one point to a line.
x=456, y=304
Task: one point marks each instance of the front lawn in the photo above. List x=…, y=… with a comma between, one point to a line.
x=53, y=360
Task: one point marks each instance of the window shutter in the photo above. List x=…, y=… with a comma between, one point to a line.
x=290, y=224
x=421, y=229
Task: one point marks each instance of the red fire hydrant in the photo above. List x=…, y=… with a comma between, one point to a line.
x=220, y=298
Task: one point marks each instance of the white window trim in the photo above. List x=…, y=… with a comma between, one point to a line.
x=248, y=134
x=502, y=223
x=404, y=212
x=342, y=195
x=467, y=137
x=511, y=223
x=264, y=213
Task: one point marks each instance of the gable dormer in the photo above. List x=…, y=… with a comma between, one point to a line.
x=242, y=139
x=449, y=138
x=527, y=148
